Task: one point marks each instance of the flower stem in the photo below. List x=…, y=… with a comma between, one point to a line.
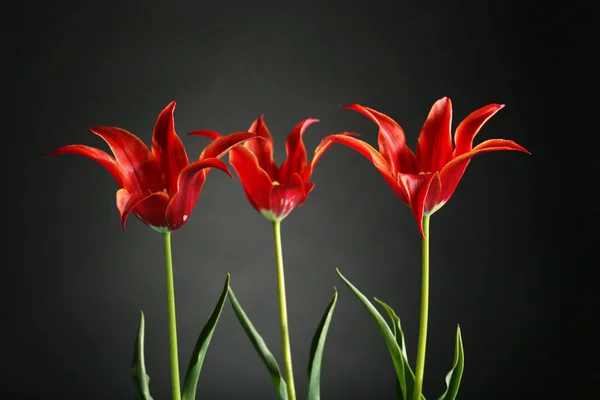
x=172, y=319
x=420, y=368
x=285, y=334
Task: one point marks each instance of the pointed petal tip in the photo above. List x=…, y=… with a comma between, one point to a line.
x=170, y=107
x=52, y=153
x=206, y=133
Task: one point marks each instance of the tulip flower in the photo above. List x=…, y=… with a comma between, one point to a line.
x=425, y=181
x=160, y=187
x=275, y=191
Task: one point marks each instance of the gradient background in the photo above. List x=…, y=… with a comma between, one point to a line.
x=504, y=262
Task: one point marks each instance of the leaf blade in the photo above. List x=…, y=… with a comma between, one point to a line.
x=197, y=359
x=260, y=346
x=455, y=375
x=316, y=351
x=138, y=366
x=388, y=335
x=409, y=375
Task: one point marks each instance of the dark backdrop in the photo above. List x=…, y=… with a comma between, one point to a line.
x=505, y=264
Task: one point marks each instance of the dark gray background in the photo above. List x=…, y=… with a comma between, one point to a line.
x=504, y=263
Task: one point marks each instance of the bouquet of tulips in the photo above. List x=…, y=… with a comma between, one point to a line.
x=160, y=186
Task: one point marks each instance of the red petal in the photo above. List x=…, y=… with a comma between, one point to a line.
x=453, y=171
x=138, y=168
x=321, y=148
x=307, y=187
x=434, y=194
x=434, y=147
x=189, y=185
x=470, y=126
x=295, y=151
x=391, y=139
x=221, y=145
x=206, y=133
x=168, y=149
x=284, y=198
x=263, y=149
x=101, y=157
x=256, y=182
x=150, y=209
x=375, y=158
x=418, y=186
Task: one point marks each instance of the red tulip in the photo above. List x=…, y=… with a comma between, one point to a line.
x=159, y=186
x=426, y=179
x=273, y=191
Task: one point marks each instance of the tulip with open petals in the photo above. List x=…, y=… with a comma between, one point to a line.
x=159, y=186
x=273, y=191
x=425, y=180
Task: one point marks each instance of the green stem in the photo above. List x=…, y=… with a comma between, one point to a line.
x=285, y=334
x=420, y=368
x=172, y=319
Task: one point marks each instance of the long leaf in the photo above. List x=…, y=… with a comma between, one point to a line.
x=408, y=373
x=316, y=351
x=260, y=347
x=138, y=367
x=195, y=366
x=454, y=376
x=388, y=335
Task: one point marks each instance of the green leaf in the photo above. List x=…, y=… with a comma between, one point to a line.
x=388, y=335
x=454, y=376
x=316, y=351
x=409, y=375
x=138, y=368
x=260, y=347
x=195, y=366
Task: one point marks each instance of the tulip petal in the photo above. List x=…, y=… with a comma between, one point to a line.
x=321, y=148
x=375, y=158
x=150, y=209
x=221, y=144
x=100, y=156
x=434, y=147
x=138, y=167
x=168, y=149
x=256, y=182
x=453, y=171
x=295, y=151
x=206, y=133
x=418, y=186
x=263, y=149
x=470, y=126
x=434, y=193
x=284, y=198
x=189, y=185
x=307, y=187
x=391, y=140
